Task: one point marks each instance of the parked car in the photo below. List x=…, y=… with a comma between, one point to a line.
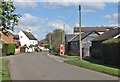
x=45, y=49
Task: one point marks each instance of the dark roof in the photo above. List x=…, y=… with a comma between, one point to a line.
x=87, y=29
x=88, y=33
x=76, y=37
x=108, y=35
x=69, y=37
x=29, y=35
x=44, y=41
x=6, y=31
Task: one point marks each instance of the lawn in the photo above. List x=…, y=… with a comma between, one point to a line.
x=95, y=67
x=67, y=56
x=4, y=69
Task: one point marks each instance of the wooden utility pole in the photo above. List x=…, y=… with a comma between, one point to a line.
x=50, y=36
x=80, y=42
x=63, y=38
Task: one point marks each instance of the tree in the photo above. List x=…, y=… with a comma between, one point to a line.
x=8, y=17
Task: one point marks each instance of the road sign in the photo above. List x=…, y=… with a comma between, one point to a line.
x=61, y=49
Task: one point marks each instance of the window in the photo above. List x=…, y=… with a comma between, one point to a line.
x=20, y=36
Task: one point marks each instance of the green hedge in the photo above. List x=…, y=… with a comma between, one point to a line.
x=110, y=52
x=8, y=49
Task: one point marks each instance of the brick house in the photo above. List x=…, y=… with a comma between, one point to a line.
x=5, y=37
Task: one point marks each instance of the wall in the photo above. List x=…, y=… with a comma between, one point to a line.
x=87, y=41
x=23, y=39
x=33, y=42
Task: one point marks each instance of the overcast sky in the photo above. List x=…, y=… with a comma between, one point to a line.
x=44, y=17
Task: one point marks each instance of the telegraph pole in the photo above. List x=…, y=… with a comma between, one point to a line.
x=50, y=36
x=80, y=42
x=63, y=38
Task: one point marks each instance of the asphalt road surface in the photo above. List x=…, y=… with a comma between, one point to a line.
x=40, y=66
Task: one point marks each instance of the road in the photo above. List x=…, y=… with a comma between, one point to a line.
x=40, y=66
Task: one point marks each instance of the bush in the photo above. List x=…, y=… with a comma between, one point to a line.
x=38, y=49
x=25, y=46
x=110, y=52
x=8, y=49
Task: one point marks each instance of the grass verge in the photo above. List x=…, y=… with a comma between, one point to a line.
x=4, y=71
x=95, y=67
x=67, y=56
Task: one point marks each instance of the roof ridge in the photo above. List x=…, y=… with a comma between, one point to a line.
x=29, y=35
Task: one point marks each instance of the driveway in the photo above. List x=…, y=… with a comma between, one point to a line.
x=40, y=66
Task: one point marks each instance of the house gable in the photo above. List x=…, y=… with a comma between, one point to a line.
x=91, y=35
x=86, y=41
x=23, y=39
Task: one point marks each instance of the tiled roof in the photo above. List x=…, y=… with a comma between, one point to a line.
x=69, y=37
x=108, y=35
x=29, y=35
x=97, y=29
x=76, y=37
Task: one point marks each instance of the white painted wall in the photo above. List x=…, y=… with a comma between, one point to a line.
x=33, y=42
x=23, y=39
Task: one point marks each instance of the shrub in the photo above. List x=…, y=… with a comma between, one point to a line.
x=8, y=49
x=38, y=49
x=25, y=46
x=110, y=52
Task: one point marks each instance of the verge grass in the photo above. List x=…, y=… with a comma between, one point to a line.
x=95, y=67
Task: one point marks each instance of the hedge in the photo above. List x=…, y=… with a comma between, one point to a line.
x=8, y=49
x=110, y=51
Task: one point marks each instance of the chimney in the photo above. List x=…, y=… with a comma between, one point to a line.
x=29, y=30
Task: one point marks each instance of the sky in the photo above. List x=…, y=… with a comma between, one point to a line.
x=44, y=17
